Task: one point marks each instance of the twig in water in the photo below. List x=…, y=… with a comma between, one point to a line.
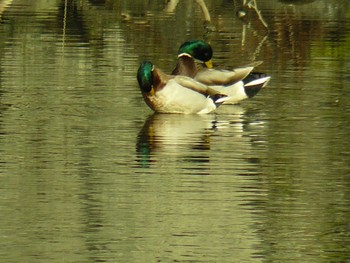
x=252, y=4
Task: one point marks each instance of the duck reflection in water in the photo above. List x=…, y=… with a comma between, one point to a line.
x=174, y=136
x=176, y=139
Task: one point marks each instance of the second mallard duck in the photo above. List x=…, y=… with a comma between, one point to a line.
x=238, y=84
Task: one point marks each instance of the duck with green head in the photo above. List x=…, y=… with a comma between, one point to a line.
x=194, y=60
x=176, y=94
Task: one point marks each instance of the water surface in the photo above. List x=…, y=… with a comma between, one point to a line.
x=89, y=174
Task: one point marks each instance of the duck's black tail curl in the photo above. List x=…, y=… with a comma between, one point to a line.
x=254, y=82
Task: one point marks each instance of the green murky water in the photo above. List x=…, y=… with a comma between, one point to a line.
x=89, y=174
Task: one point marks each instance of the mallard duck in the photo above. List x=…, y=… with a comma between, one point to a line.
x=238, y=84
x=176, y=94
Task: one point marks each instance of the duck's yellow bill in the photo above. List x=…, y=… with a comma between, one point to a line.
x=209, y=64
x=152, y=91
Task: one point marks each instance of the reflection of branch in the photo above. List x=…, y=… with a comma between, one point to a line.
x=204, y=10
x=171, y=6
x=258, y=48
x=3, y=5
x=252, y=4
x=64, y=22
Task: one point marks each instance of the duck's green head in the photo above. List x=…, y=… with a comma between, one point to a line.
x=197, y=49
x=145, y=76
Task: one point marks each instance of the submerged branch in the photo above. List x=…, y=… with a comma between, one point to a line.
x=204, y=10
x=252, y=4
x=172, y=4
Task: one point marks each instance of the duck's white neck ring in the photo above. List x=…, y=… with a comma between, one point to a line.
x=184, y=55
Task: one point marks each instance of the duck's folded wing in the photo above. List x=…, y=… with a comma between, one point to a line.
x=192, y=84
x=254, y=64
x=222, y=77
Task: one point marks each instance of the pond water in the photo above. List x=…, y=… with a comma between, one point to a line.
x=89, y=174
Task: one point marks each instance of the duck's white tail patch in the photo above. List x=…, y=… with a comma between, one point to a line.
x=260, y=81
